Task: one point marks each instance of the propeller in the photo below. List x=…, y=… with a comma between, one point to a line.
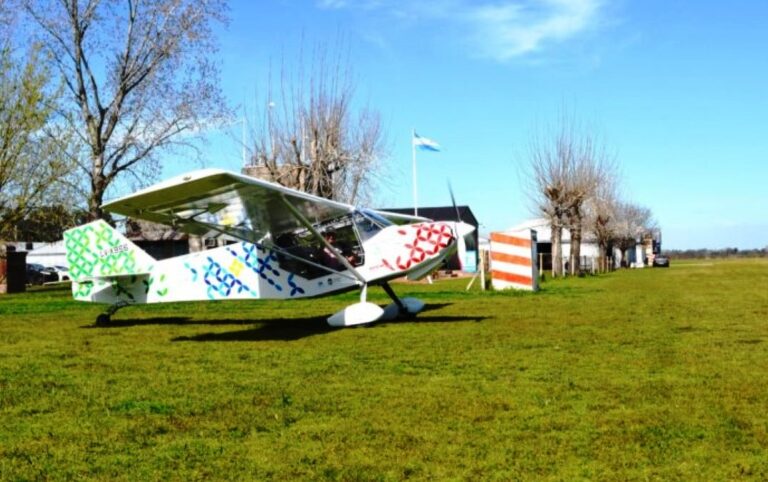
x=460, y=229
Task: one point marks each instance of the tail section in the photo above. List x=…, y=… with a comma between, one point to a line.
x=97, y=251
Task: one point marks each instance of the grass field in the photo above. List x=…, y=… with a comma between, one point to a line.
x=639, y=374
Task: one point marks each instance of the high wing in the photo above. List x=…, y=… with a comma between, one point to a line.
x=210, y=202
x=397, y=218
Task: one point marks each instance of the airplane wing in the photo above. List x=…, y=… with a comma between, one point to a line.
x=210, y=202
x=397, y=218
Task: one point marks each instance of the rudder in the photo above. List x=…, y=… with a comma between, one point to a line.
x=97, y=250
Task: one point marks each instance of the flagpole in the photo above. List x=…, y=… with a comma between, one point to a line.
x=413, y=151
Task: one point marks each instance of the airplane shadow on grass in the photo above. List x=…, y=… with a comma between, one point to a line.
x=285, y=329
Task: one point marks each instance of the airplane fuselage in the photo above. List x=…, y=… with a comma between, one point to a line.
x=108, y=268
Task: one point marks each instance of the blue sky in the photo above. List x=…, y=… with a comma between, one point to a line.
x=679, y=90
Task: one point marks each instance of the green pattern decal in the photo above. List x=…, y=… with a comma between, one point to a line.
x=97, y=250
x=82, y=290
x=80, y=256
x=161, y=291
x=121, y=290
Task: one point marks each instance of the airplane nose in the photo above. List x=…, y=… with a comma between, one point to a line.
x=462, y=229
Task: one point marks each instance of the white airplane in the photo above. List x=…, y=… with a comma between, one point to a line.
x=285, y=244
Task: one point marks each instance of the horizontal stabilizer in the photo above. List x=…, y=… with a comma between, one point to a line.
x=117, y=277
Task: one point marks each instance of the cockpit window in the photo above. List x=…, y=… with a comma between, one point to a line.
x=368, y=223
x=303, y=253
x=376, y=218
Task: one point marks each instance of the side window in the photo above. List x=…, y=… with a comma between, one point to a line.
x=302, y=251
x=342, y=236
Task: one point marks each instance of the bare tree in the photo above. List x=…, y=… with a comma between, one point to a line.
x=592, y=167
x=566, y=167
x=30, y=167
x=601, y=218
x=310, y=135
x=632, y=223
x=139, y=78
x=548, y=180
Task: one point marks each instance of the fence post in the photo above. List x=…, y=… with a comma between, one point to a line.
x=482, y=270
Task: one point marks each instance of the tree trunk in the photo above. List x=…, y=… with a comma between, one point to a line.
x=602, y=253
x=557, y=250
x=98, y=187
x=576, y=246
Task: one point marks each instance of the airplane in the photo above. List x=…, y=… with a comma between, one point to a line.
x=285, y=244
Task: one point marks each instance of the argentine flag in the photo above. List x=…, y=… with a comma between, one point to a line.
x=425, y=144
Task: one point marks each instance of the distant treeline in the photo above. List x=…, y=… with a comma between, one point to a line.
x=717, y=253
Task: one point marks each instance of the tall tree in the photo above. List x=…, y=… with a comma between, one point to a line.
x=592, y=168
x=310, y=134
x=139, y=76
x=30, y=167
x=548, y=181
x=601, y=218
x=566, y=166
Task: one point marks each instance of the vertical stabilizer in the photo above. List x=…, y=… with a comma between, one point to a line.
x=97, y=250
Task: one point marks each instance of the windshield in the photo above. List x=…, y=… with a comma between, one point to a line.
x=376, y=218
x=368, y=224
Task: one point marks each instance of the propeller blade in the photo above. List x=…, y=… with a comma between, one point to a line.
x=453, y=201
x=462, y=247
x=463, y=229
x=460, y=229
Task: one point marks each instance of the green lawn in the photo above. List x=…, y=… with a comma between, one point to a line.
x=639, y=374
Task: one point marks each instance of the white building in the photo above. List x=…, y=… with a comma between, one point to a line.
x=48, y=254
x=589, y=249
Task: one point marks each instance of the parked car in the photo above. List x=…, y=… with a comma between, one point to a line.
x=37, y=274
x=661, y=261
x=61, y=272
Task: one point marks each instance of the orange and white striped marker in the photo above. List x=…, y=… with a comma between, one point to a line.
x=513, y=260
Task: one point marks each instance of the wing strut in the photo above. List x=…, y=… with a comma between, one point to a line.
x=304, y=221
x=285, y=253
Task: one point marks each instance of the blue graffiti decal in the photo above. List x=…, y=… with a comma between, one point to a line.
x=220, y=281
x=264, y=267
x=193, y=270
x=295, y=289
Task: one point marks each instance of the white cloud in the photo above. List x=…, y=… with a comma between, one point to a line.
x=501, y=30
x=514, y=29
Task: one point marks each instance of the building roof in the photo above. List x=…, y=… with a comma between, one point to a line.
x=441, y=213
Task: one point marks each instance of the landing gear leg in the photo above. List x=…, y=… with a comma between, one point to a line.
x=398, y=302
x=405, y=307
x=104, y=318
